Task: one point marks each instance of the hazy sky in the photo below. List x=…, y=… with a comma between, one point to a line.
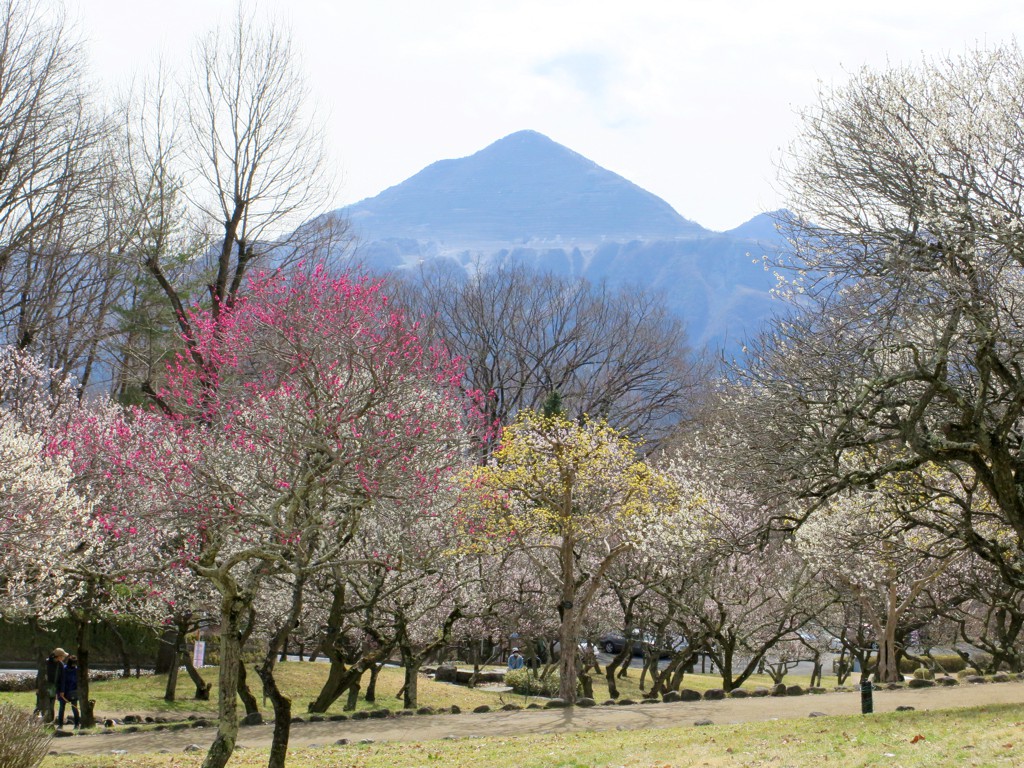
x=690, y=99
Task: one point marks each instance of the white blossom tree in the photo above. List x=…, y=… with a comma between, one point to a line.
x=907, y=241
x=859, y=542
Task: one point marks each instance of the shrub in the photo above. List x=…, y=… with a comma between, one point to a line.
x=23, y=681
x=982, y=660
x=526, y=683
x=252, y=653
x=923, y=673
x=23, y=740
x=949, y=661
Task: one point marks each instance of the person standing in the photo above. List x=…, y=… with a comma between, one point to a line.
x=51, y=686
x=68, y=692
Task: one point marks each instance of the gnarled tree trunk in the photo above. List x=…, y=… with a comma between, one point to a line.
x=232, y=607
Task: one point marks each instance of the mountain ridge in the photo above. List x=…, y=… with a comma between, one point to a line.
x=523, y=186
x=527, y=199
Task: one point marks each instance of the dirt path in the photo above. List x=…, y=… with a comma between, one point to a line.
x=426, y=728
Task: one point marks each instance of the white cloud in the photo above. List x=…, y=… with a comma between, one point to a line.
x=688, y=99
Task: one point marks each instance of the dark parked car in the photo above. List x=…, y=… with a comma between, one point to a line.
x=614, y=643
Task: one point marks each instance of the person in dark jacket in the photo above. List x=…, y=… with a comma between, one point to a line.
x=50, y=688
x=68, y=692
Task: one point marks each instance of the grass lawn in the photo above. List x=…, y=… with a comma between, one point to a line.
x=303, y=680
x=299, y=680
x=982, y=736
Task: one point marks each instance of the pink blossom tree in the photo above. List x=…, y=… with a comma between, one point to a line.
x=309, y=400
x=74, y=545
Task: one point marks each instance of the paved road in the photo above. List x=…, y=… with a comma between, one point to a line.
x=426, y=728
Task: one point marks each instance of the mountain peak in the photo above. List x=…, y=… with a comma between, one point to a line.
x=524, y=136
x=764, y=226
x=528, y=142
x=522, y=187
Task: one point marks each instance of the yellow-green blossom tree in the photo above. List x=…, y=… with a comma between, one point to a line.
x=567, y=496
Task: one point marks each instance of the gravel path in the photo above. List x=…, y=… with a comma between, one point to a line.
x=430, y=727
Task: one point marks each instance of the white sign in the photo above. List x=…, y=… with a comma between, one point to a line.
x=198, y=653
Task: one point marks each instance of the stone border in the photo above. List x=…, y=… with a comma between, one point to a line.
x=137, y=723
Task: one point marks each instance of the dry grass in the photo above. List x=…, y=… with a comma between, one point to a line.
x=983, y=736
x=299, y=680
x=302, y=681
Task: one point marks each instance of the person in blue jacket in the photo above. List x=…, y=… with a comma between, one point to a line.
x=68, y=693
x=515, y=659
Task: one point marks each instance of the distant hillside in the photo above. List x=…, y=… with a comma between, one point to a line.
x=529, y=199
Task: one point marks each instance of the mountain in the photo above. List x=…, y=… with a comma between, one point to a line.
x=528, y=199
x=522, y=187
x=761, y=227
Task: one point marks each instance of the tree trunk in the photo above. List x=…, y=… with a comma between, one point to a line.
x=339, y=678
x=169, y=651
x=248, y=700
x=816, y=671
x=567, y=661
x=252, y=706
x=282, y=704
x=411, y=668
x=725, y=665
x=371, y=687
x=650, y=669
x=888, y=670
x=588, y=685
x=610, y=668
x=282, y=716
x=83, y=639
x=173, y=639
x=202, y=687
x=412, y=674
x=660, y=678
x=41, y=651
x=569, y=612
x=227, y=683
x=676, y=682
x=172, y=679
x=413, y=657
x=353, y=695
